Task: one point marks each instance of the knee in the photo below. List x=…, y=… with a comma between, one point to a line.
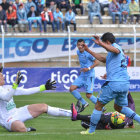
x=43, y=107
x=71, y=89
x=21, y=129
x=98, y=106
x=18, y=127
x=117, y=108
x=88, y=95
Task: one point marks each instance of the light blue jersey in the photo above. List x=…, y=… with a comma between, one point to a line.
x=86, y=60
x=116, y=66
x=117, y=84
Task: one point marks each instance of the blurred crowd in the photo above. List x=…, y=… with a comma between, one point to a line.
x=40, y=13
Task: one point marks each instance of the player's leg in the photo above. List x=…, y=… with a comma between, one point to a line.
x=77, y=84
x=18, y=126
x=89, y=85
x=120, y=105
x=105, y=96
x=38, y=109
x=76, y=116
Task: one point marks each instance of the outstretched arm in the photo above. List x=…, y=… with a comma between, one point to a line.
x=96, y=55
x=7, y=94
x=29, y=91
x=108, y=47
x=48, y=86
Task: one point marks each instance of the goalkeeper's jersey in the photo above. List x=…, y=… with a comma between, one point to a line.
x=6, y=108
x=105, y=122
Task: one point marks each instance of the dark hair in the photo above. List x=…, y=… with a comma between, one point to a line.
x=70, y=8
x=108, y=37
x=80, y=40
x=32, y=6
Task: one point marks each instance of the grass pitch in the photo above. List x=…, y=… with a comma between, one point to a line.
x=62, y=128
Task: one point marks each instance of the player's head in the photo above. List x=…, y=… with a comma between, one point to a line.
x=80, y=45
x=2, y=81
x=108, y=38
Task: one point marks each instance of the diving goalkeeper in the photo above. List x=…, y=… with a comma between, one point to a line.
x=105, y=121
x=12, y=118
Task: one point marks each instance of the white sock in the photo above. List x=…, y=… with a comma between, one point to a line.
x=53, y=111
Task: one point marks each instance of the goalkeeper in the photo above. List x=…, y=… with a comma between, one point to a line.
x=105, y=121
x=13, y=118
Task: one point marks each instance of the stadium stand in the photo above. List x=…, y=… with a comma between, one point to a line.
x=84, y=29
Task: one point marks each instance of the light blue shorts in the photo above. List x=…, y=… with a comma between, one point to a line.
x=86, y=82
x=107, y=94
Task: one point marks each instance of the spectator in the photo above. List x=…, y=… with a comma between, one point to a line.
x=17, y=4
x=11, y=17
x=124, y=11
x=114, y=9
x=129, y=1
x=70, y=19
x=103, y=4
x=128, y=59
x=94, y=10
x=13, y=5
x=5, y=5
x=3, y=18
x=47, y=18
x=39, y=7
x=51, y=4
x=134, y=11
x=64, y=4
x=33, y=17
x=77, y=4
x=28, y=6
x=22, y=18
x=58, y=19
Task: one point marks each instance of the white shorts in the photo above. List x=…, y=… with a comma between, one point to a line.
x=21, y=114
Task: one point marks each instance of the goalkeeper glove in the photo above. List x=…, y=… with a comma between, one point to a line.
x=18, y=79
x=48, y=85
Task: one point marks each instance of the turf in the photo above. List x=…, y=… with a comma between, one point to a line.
x=62, y=128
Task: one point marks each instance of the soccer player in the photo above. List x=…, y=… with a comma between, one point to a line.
x=13, y=118
x=86, y=78
x=117, y=82
x=105, y=122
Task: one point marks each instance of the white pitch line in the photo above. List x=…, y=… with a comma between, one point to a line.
x=55, y=117
x=34, y=134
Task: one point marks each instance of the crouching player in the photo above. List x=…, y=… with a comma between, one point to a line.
x=110, y=120
x=13, y=118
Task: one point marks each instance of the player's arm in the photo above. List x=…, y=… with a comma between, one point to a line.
x=48, y=86
x=96, y=63
x=7, y=94
x=96, y=55
x=108, y=47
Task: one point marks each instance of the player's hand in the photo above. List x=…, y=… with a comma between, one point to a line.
x=84, y=70
x=85, y=46
x=104, y=76
x=18, y=79
x=50, y=85
x=96, y=39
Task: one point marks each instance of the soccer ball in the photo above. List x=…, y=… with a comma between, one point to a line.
x=117, y=118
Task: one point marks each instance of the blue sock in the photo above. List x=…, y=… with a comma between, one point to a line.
x=95, y=117
x=93, y=99
x=130, y=113
x=78, y=96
